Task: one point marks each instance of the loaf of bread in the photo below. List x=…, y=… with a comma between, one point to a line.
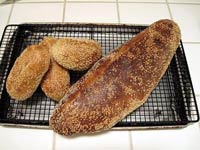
x=56, y=82
x=76, y=54
x=118, y=83
x=27, y=72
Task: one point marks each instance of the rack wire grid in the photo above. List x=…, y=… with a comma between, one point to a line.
x=171, y=103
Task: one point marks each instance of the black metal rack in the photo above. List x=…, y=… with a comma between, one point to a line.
x=171, y=103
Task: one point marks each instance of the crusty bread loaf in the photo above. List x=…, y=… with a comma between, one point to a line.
x=56, y=82
x=76, y=54
x=27, y=72
x=118, y=83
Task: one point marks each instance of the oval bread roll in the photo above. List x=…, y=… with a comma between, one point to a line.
x=27, y=72
x=56, y=82
x=118, y=83
x=76, y=54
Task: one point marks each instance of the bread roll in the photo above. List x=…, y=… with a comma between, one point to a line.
x=118, y=83
x=56, y=82
x=76, y=54
x=27, y=72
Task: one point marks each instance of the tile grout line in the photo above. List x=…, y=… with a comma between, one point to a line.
x=170, y=13
x=184, y=3
x=118, y=13
x=160, y=3
x=130, y=140
x=40, y=2
x=68, y=2
x=191, y=42
x=108, y=2
x=91, y=1
x=114, y=2
x=64, y=8
x=54, y=141
x=142, y=2
x=11, y=10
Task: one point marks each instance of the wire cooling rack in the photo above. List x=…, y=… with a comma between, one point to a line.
x=171, y=103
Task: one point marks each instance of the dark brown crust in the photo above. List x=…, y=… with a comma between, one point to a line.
x=118, y=83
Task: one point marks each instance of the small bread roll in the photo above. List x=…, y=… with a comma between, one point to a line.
x=57, y=80
x=76, y=54
x=27, y=72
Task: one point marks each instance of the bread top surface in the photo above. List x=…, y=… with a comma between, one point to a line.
x=48, y=42
x=118, y=83
x=27, y=72
x=76, y=54
x=56, y=81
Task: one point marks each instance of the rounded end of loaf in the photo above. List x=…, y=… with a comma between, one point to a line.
x=169, y=31
x=48, y=42
x=55, y=123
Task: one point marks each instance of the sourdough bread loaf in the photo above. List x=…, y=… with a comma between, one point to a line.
x=118, y=83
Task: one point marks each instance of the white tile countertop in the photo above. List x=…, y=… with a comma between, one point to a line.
x=185, y=12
